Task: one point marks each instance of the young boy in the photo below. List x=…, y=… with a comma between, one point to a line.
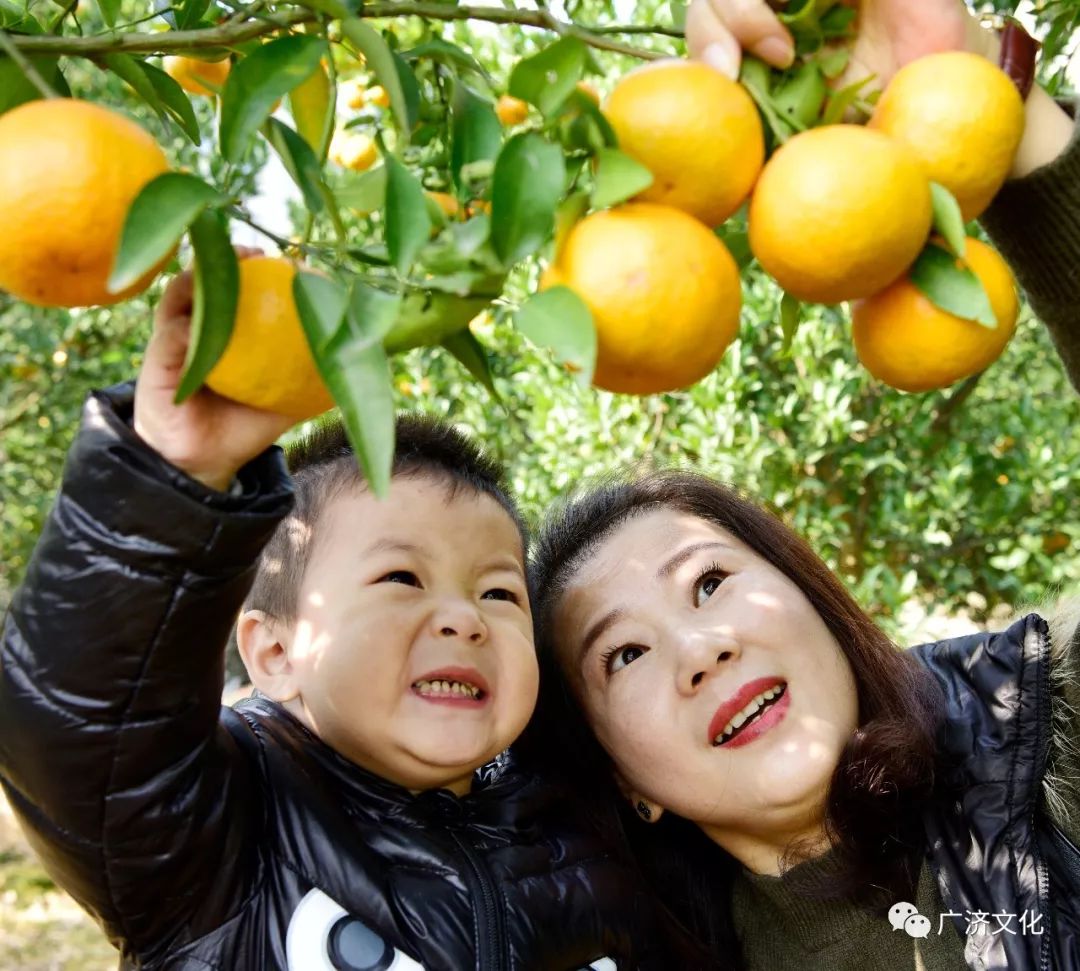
x=334, y=821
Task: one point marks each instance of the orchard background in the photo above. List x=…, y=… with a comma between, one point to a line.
x=959, y=501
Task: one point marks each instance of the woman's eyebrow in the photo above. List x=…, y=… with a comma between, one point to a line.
x=685, y=553
x=609, y=619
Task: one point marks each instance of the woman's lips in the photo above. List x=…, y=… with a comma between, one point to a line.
x=769, y=718
x=740, y=700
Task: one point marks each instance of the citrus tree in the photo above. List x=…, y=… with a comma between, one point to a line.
x=468, y=228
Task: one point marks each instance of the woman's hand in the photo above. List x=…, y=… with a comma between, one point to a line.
x=890, y=34
x=208, y=437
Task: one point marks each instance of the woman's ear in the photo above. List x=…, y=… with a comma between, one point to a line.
x=647, y=810
x=262, y=641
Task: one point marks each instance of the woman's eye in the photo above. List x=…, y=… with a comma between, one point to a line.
x=620, y=657
x=707, y=586
x=401, y=576
x=499, y=593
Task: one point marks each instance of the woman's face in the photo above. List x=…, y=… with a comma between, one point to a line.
x=709, y=678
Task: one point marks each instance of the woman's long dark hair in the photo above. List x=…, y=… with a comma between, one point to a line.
x=885, y=775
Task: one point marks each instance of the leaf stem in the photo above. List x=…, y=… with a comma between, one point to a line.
x=8, y=47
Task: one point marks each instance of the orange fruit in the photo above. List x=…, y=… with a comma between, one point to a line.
x=839, y=213
x=910, y=343
x=71, y=170
x=354, y=151
x=354, y=94
x=962, y=117
x=445, y=201
x=193, y=75
x=376, y=95
x=697, y=131
x=268, y=363
x=511, y=110
x=663, y=290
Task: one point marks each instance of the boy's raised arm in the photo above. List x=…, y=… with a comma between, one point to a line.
x=113, y=750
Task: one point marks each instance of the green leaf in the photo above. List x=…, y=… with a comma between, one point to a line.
x=618, y=177
x=217, y=290
x=798, y=99
x=17, y=89
x=299, y=161
x=427, y=318
x=952, y=287
x=470, y=352
x=841, y=100
x=529, y=181
x=837, y=22
x=476, y=134
x=408, y=224
x=442, y=51
x=736, y=237
x=375, y=309
x=173, y=99
x=354, y=367
x=146, y=80
x=790, y=317
x=548, y=78
x=947, y=219
x=15, y=18
x=380, y=59
x=756, y=76
x=257, y=82
x=190, y=12
x=320, y=304
x=109, y=11
x=363, y=192
x=410, y=88
x=833, y=63
x=157, y=218
x=678, y=14
x=560, y=320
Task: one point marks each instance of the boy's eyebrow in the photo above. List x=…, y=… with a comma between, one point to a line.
x=508, y=563
x=388, y=545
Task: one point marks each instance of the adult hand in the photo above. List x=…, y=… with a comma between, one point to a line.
x=890, y=33
x=207, y=436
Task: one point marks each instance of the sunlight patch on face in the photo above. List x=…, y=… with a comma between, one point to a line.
x=766, y=600
x=316, y=599
x=308, y=642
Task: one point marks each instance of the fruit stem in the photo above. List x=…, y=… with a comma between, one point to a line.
x=24, y=65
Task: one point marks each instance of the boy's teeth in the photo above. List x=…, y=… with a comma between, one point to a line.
x=752, y=709
x=439, y=687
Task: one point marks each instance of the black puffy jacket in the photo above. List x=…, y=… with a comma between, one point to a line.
x=995, y=849
x=209, y=838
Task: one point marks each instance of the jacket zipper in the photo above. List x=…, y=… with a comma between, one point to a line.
x=491, y=936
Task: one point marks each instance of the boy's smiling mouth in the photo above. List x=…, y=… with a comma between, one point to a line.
x=455, y=686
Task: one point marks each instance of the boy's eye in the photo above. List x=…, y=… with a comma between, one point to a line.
x=619, y=657
x=499, y=593
x=401, y=576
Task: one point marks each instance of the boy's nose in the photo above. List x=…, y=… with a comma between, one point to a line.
x=461, y=620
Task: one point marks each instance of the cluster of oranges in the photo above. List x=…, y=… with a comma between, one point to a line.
x=838, y=213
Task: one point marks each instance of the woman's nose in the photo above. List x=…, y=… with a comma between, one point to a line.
x=459, y=618
x=702, y=653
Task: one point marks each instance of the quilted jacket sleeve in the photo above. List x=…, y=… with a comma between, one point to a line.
x=113, y=747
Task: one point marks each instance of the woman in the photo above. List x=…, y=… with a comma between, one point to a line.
x=800, y=793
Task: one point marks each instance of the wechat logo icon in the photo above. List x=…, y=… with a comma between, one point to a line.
x=906, y=917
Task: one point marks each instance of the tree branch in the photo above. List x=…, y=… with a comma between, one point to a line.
x=229, y=34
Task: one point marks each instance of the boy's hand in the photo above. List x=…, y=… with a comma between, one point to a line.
x=890, y=34
x=208, y=437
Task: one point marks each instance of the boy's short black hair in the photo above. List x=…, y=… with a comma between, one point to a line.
x=323, y=466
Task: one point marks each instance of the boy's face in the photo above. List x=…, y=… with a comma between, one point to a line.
x=412, y=648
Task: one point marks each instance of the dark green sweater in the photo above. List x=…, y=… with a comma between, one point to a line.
x=1035, y=223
